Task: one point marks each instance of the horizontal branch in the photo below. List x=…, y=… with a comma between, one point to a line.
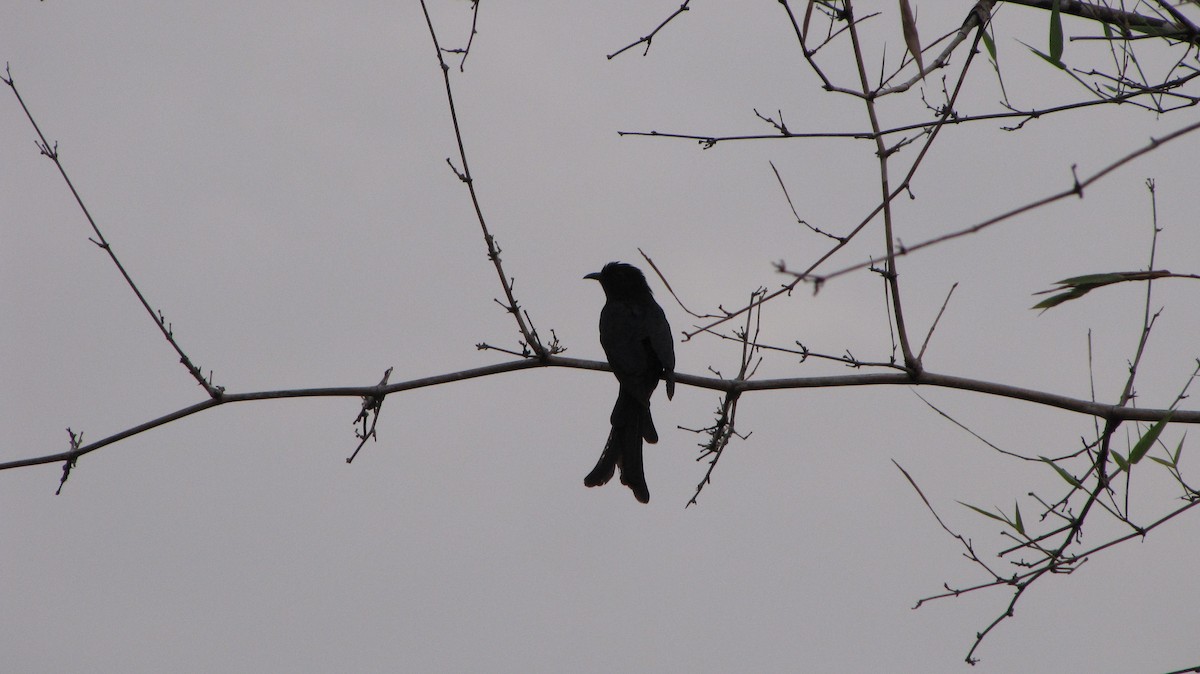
x=709, y=140
x=1124, y=20
x=925, y=378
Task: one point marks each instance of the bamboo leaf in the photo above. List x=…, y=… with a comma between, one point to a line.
x=985, y=513
x=1122, y=464
x=1147, y=441
x=1056, y=33
x=1056, y=300
x=1078, y=286
x=908, y=26
x=1052, y=61
x=1017, y=523
x=989, y=44
x=1063, y=473
x=1096, y=279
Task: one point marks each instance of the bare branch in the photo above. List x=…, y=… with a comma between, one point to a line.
x=649, y=37
x=51, y=152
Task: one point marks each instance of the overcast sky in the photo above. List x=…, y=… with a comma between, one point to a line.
x=274, y=177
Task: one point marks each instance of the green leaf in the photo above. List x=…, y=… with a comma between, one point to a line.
x=1056, y=33
x=985, y=513
x=1147, y=441
x=1179, y=448
x=1078, y=286
x=1063, y=473
x=1052, y=61
x=1101, y=279
x=911, y=38
x=1164, y=462
x=990, y=45
x=1017, y=523
x=1055, y=300
x=1122, y=464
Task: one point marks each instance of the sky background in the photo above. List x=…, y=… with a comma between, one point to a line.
x=273, y=176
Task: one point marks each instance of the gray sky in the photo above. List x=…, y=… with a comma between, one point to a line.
x=273, y=175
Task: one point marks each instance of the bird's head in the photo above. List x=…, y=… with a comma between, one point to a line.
x=621, y=280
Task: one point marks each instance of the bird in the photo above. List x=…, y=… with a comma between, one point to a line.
x=637, y=341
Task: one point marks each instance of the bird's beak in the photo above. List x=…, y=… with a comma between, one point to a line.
x=595, y=276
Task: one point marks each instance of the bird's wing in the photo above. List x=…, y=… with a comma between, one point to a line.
x=659, y=333
x=622, y=334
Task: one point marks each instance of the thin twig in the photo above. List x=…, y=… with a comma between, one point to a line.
x=51, y=152
x=929, y=335
x=1076, y=189
x=511, y=305
x=650, y=36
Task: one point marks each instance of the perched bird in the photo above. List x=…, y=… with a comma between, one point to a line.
x=637, y=341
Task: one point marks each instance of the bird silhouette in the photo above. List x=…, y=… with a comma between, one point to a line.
x=637, y=342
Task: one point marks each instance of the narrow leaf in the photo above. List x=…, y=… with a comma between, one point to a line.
x=1055, y=300
x=1063, y=473
x=990, y=45
x=908, y=25
x=1017, y=523
x=1052, y=61
x=1056, y=32
x=985, y=513
x=1147, y=441
x=1095, y=279
x=1122, y=464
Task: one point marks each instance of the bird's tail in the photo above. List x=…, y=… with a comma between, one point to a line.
x=631, y=425
x=632, y=473
x=606, y=466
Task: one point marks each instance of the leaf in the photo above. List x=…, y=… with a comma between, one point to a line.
x=1056, y=32
x=1122, y=464
x=985, y=513
x=1147, y=441
x=1179, y=448
x=1078, y=286
x=1017, y=523
x=1056, y=300
x=1063, y=473
x=908, y=25
x=989, y=45
x=1101, y=279
x=1052, y=61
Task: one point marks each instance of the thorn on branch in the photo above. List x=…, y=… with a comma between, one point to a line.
x=484, y=346
x=371, y=406
x=512, y=309
x=779, y=126
x=461, y=175
x=494, y=248
x=555, y=347
x=46, y=149
x=76, y=441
